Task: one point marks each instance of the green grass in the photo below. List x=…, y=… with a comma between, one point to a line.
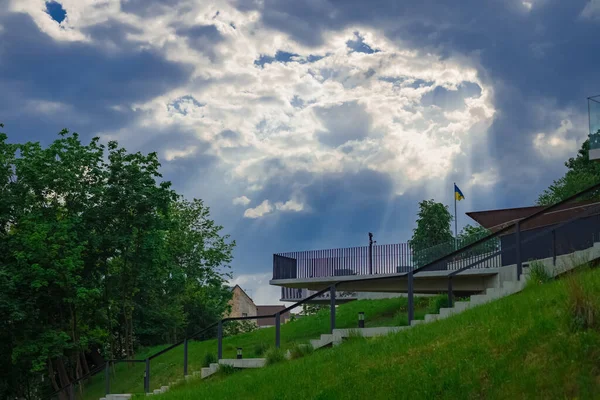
x=520, y=347
x=169, y=366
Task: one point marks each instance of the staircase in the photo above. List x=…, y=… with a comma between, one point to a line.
x=506, y=288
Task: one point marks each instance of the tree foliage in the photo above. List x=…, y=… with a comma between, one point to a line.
x=99, y=256
x=433, y=229
x=581, y=174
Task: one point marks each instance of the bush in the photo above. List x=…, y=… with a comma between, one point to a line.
x=538, y=274
x=226, y=369
x=232, y=328
x=274, y=356
x=260, y=349
x=209, y=358
x=300, y=350
x=583, y=304
x=437, y=302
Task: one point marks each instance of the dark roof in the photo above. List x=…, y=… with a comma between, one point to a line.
x=262, y=310
x=494, y=220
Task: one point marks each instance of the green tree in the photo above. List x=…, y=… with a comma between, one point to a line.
x=470, y=234
x=93, y=243
x=432, y=238
x=581, y=174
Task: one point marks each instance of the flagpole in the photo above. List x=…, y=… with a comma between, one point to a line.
x=455, y=215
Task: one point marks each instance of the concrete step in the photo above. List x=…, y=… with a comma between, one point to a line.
x=479, y=299
x=118, y=396
x=315, y=343
x=416, y=322
x=431, y=317
x=164, y=389
x=461, y=305
x=244, y=362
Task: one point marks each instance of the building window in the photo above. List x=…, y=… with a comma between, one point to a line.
x=244, y=314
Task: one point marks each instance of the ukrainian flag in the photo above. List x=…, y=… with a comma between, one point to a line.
x=457, y=193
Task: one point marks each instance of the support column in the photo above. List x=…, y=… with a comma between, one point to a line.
x=220, y=340
x=185, y=357
x=107, y=378
x=411, y=307
x=147, y=376
x=277, y=330
x=518, y=250
x=332, y=307
x=450, y=292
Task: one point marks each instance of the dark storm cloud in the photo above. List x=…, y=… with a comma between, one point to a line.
x=529, y=57
x=81, y=76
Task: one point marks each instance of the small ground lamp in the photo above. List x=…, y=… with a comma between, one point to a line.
x=239, y=353
x=361, y=319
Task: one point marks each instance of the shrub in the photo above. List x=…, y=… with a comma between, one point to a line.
x=236, y=327
x=437, y=302
x=274, y=356
x=209, y=358
x=300, y=350
x=583, y=304
x=260, y=349
x=226, y=369
x=538, y=274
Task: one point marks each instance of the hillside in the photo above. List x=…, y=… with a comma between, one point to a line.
x=169, y=366
x=534, y=344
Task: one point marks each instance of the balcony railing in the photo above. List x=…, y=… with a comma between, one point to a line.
x=383, y=259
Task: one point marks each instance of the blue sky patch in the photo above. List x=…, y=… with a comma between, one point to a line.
x=56, y=11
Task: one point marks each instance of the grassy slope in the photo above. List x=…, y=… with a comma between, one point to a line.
x=520, y=346
x=169, y=366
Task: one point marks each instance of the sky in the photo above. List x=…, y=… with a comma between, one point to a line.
x=307, y=124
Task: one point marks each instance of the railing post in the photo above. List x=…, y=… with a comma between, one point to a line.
x=72, y=392
x=411, y=310
x=220, y=341
x=147, y=377
x=277, y=330
x=450, y=293
x=554, y=247
x=185, y=357
x=332, y=307
x=518, y=250
x=107, y=378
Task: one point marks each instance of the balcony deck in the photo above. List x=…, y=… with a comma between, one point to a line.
x=380, y=269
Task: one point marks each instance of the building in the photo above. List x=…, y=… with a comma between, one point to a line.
x=268, y=322
x=241, y=304
x=577, y=235
x=552, y=235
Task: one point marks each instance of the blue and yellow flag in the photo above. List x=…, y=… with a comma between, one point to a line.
x=457, y=193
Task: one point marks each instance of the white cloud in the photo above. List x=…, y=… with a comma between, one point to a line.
x=527, y=4
x=242, y=200
x=262, y=209
x=258, y=288
x=591, y=10
x=274, y=109
x=557, y=143
x=290, y=205
x=485, y=178
x=173, y=154
x=48, y=107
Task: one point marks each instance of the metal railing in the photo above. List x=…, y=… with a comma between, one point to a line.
x=363, y=260
x=70, y=389
x=546, y=238
x=457, y=256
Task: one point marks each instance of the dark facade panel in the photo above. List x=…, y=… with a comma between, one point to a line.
x=578, y=235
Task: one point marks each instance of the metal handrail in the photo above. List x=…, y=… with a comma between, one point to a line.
x=507, y=228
